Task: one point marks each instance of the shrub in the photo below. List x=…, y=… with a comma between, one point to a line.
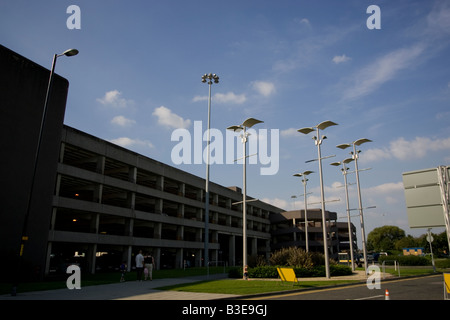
x=271, y=271
x=296, y=257
x=442, y=263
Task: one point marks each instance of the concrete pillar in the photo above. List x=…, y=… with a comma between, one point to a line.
x=58, y=184
x=159, y=206
x=53, y=219
x=160, y=182
x=132, y=174
x=131, y=200
x=91, y=256
x=129, y=224
x=157, y=257
x=179, y=258
x=181, y=189
x=127, y=256
x=180, y=232
x=215, y=217
x=47, y=263
x=254, y=246
x=157, y=230
x=198, y=257
x=100, y=165
x=180, y=213
x=232, y=250
x=61, y=152
x=95, y=222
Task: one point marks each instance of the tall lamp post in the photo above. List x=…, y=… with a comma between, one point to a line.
x=318, y=141
x=354, y=154
x=304, y=181
x=24, y=237
x=208, y=78
x=250, y=122
x=350, y=232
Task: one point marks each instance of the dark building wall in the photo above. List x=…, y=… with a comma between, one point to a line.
x=23, y=86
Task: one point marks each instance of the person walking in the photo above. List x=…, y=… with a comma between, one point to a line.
x=149, y=262
x=123, y=269
x=139, y=265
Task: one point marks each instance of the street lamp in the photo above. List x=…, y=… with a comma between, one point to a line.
x=304, y=181
x=350, y=232
x=361, y=217
x=209, y=78
x=318, y=141
x=24, y=237
x=250, y=122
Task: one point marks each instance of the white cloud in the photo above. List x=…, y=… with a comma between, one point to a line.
x=386, y=188
x=122, y=121
x=167, y=118
x=291, y=132
x=113, y=98
x=417, y=148
x=341, y=59
x=264, y=88
x=279, y=203
x=305, y=22
x=402, y=149
x=229, y=97
x=382, y=70
x=199, y=98
x=128, y=142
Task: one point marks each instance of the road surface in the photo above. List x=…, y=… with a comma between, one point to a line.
x=422, y=288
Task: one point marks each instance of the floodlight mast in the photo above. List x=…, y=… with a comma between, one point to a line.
x=349, y=222
x=250, y=122
x=304, y=181
x=318, y=141
x=210, y=78
x=355, y=157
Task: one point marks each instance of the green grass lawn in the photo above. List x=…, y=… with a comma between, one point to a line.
x=243, y=287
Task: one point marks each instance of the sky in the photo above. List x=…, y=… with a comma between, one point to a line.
x=383, y=75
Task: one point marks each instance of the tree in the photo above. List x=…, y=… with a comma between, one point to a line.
x=408, y=242
x=384, y=238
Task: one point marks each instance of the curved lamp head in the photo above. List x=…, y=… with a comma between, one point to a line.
x=70, y=52
x=361, y=141
x=326, y=124
x=305, y=173
x=250, y=122
x=321, y=126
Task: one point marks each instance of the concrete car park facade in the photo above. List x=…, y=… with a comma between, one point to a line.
x=111, y=201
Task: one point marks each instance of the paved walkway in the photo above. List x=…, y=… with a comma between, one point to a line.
x=144, y=290
x=129, y=290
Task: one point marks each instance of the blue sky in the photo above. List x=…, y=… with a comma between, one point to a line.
x=291, y=64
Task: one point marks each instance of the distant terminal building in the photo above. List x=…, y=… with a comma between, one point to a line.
x=416, y=251
x=288, y=229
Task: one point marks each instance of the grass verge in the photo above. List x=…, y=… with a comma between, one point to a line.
x=243, y=287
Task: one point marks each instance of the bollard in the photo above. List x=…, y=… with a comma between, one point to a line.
x=386, y=295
